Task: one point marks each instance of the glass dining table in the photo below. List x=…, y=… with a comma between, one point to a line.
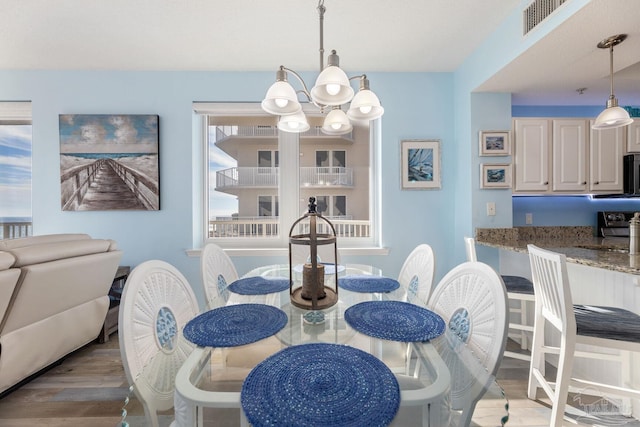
x=436, y=377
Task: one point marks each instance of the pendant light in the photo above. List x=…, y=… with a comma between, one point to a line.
x=613, y=116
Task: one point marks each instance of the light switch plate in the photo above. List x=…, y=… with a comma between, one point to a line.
x=491, y=208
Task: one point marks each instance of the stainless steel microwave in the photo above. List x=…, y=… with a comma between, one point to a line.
x=631, y=173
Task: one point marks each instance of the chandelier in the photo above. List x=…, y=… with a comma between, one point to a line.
x=331, y=92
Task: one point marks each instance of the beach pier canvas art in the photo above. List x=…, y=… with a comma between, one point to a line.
x=109, y=162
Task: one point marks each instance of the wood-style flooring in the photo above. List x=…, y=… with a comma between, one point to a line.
x=89, y=389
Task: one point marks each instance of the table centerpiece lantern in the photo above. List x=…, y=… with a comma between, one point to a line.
x=306, y=234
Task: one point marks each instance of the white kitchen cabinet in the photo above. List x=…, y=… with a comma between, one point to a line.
x=633, y=137
x=531, y=159
x=605, y=165
x=564, y=156
x=569, y=155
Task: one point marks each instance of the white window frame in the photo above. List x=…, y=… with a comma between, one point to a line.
x=290, y=196
x=19, y=113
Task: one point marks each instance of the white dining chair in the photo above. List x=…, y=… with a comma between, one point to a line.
x=472, y=300
x=520, y=294
x=416, y=279
x=601, y=327
x=417, y=273
x=157, y=302
x=217, y=273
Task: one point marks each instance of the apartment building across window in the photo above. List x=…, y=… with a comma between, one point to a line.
x=259, y=180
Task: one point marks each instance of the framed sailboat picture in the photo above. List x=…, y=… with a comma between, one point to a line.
x=109, y=162
x=420, y=166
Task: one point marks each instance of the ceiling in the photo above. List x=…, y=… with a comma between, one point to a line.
x=369, y=35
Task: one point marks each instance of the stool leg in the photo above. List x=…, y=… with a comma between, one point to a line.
x=523, y=321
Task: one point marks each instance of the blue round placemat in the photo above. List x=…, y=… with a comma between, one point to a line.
x=395, y=321
x=235, y=325
x=259, y=285
x=368, y=283
x=320, y=384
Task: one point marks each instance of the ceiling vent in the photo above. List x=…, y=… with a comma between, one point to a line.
x=537, y=12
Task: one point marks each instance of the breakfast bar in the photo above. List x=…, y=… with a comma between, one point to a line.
x=579, y=244
x=601, y=273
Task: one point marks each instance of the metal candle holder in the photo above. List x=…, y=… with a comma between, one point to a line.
x=313, y=294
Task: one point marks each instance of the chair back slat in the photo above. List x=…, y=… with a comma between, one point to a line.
x=417, y=273
x=551, y=287
x=218, y=272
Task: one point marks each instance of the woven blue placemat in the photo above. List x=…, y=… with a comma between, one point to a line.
x=395, y=321
x=235, y=325
x=368, y=283
x=320, y=384
x=259, y=285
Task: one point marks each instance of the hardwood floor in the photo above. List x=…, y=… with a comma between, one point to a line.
x=89, y=388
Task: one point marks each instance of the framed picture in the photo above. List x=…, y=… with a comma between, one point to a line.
x=109, y=162
x=495, y=175
x=420, y=166
x=495, y=143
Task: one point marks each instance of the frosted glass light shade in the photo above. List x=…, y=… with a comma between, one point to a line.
x=365, y=106
x=295, y=123
x=612, y=117
x=336, y=123
x=333, y=77
x=281, y=99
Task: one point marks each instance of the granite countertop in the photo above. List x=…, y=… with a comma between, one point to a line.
x=578, y=244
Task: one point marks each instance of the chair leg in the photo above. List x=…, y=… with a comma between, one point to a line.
x=563, y=377
x=523, y=321
x=537, y=356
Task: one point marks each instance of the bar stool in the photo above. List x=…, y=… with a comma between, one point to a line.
x=519, y=290
x=601, y=327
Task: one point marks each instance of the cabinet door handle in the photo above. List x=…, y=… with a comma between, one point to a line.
x=546, y=183
x=596, y=183
x=584, y=183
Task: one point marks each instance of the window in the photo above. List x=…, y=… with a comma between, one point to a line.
x=331, y=158
x=258, y=180
x=267, y=158
x=268, y=206
x=15, y=170
x=332, y=206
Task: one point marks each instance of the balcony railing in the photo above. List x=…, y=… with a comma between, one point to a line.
x=14, y=230
x=269, y=177
x=247, y=177
x=271, y=131
x=254, y=227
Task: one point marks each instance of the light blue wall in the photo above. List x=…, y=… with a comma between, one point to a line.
x=409, y=217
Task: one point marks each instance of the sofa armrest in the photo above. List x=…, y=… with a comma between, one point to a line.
x=8, y=244
x=6, y=260
x=30, y=255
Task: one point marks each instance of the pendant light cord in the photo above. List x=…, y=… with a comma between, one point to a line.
x=611, y=70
